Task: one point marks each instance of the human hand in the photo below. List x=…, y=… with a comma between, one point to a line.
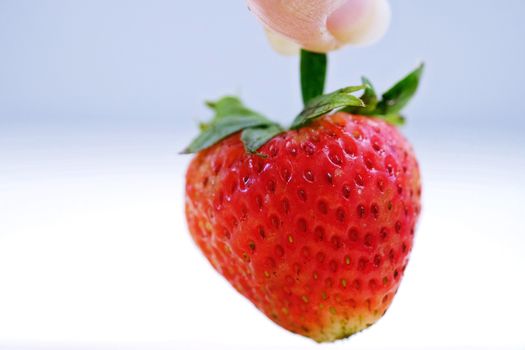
x=321, y=25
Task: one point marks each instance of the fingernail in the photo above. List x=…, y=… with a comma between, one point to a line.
x=281, y=44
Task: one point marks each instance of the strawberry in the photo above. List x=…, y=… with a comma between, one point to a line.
x=314, y=225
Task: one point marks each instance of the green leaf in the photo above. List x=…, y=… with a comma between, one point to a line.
x=230, y=117
x=254, y=138
x=327, y=103
x=400, y=94
x=369, y=98
x=229, y=105
x=220, y=129
x=313, y=74
x=392, y=101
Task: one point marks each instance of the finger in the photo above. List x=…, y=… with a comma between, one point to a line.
x=359, y=22
x=302, y=21
x=323, y=25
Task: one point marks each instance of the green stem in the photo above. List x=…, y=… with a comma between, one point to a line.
x=313, y=74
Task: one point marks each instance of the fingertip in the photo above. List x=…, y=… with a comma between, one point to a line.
x=359, y=22
x=378, y=25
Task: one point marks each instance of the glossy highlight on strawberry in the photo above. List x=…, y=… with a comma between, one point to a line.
x=315, y=229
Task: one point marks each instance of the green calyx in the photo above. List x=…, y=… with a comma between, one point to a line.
x=232, y=116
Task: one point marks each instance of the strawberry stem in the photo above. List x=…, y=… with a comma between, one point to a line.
x=313, y=74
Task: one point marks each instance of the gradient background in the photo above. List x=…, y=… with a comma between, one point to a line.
x=96, y=99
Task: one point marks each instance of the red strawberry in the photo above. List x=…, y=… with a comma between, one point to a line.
x=317, y=226
x=317, y=235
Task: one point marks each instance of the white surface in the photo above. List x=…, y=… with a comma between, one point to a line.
x=94, y=253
